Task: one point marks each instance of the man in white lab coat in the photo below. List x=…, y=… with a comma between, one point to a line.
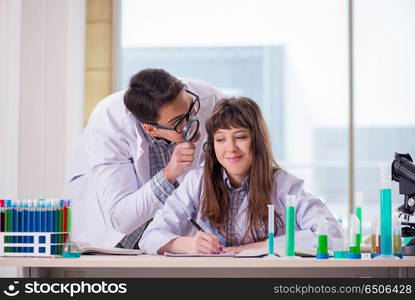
x=132, y=156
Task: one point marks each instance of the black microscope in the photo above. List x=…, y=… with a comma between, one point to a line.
x=403, y=171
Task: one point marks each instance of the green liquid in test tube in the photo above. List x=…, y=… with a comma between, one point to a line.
x=358, y=212
x=8, y=219
x=322, y=240
x=354, y=229
x=290, y=226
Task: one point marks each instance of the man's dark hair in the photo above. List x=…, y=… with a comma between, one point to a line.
x=149, y=90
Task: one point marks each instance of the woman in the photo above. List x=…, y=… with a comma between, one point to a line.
x=228, y=197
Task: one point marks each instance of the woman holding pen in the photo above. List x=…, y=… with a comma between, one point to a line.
x=228, y=197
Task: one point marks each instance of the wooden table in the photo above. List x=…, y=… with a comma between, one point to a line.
x=160, y=266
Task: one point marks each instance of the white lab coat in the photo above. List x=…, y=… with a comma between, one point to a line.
x=171, y=221
x=109, y=179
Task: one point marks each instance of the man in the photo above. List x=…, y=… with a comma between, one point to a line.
x=132, y=156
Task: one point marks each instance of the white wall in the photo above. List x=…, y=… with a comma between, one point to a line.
x=42, y=49
x=49, y=93
x=9, y=95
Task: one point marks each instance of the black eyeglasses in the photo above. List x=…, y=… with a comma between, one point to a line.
x=193, y=110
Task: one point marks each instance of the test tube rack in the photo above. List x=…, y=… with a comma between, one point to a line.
x=32, y=244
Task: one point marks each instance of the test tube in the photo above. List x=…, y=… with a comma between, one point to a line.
x=397, y=237
x=2, y=209
x=322, y=241
x=2, y=218
x=69, y=215
x=43, y=215
x=44, y=221
x=290, y=226
x=19, y=206
x=385, y=212
x=15, y=224
x=8, y=222
x=270, y=229
x=70, y=250
x=61, y=220
x=50, y=216
x=55, y=219
x=374, y=238
x=358, y=212
x=25, y=223
x=354, y=246
x=65, y=220
x=31, y=223
x=65, y=215
x=37, y=216
x=378, y=235
x=340, y=248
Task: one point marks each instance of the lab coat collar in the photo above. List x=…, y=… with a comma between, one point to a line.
x=226, y=180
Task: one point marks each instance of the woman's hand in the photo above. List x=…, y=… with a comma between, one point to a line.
x=237, y=249
x=234, y=249
x=202, y=242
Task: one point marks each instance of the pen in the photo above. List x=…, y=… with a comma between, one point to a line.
x=197, y=226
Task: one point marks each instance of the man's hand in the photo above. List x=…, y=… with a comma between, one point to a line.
x=181, y=159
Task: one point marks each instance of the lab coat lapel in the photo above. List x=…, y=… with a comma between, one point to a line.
x=141, y=156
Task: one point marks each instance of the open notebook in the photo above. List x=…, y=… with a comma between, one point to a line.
x=258, y=252
x=198, y=254
x=89, y=249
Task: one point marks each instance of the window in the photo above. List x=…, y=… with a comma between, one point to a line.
x=384, y=89
x=292, y=58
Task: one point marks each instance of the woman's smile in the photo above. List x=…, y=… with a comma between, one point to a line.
x=235, y=158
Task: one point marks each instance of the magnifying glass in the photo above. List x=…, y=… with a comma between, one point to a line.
x=190, y=130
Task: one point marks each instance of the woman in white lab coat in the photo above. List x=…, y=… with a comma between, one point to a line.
x=228, y=197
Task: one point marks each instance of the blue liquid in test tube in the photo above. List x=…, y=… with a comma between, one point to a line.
x=385, y=212
x=270, y=229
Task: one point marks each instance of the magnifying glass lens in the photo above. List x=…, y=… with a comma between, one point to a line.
x=190, y=130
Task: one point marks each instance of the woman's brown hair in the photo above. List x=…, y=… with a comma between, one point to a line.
x=239, y=113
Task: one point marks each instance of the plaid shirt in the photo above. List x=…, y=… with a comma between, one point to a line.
x=235, y=196
x=160, y=152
